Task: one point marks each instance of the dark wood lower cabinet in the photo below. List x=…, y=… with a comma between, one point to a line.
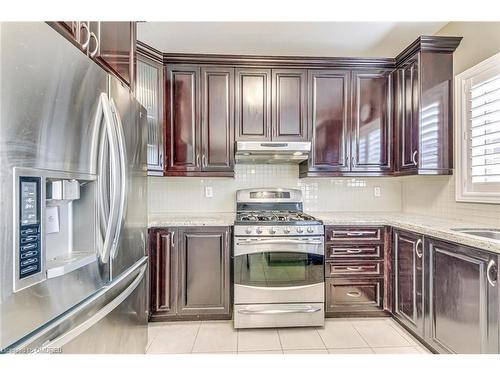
x=204, y=277
x=463, y=295
x=163, y=272
x=356, y=295
x=446, y=294
x=190, y=273
x=356, y=275
x=408, y=260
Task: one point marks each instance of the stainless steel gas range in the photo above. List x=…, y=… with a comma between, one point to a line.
x=278, y=261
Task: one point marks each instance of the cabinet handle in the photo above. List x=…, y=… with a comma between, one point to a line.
x=354, y=251
x=419, y=243
x=354, y=268
x=204, y=160
x=414, y=157
x=172, y=241
x=86, y=43
x=96, y=49
x=354, y=294
x=197, y=161
x=491, y=265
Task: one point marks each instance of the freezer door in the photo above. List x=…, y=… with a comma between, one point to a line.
x=49, y=96
x=131, y=234
x=113, y=321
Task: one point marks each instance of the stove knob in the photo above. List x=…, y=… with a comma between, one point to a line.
x=258, y=230
x=310, y=230
x=286, y=230
x=300, y=230
x=248, y=230
x=272, y=230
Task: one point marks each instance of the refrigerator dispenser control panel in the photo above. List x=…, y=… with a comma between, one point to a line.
x=29, y=226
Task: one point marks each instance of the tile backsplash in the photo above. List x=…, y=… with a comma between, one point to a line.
x=435, y=196
x=181, y=194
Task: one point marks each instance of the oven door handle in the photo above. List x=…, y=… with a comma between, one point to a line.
x=264, y=242
x=302, y=310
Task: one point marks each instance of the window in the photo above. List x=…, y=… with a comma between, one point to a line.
x=477, y=112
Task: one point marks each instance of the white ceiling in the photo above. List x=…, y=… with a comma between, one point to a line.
x=344, y=39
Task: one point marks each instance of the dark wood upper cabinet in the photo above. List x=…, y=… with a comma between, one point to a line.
x=183, y=118
x=407, y=114
x=408, y=253
x=423, y=114
x=289, y=111
x=217, y=119
x=163, y=272
x=371, y=129
x=113, y=46
x=200, y=120
x=463, y=299
x=253, y=104
x=329, y=99
x=363, y=116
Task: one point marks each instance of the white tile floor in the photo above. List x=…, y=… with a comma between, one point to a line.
x=338, y=336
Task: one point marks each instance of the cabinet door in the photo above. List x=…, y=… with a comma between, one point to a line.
x=253, y=104
x=163, y=272
x=463, y=299
x=77, y=32
x=328, y=120
x=371, y=128
x=183, y=120
x=409, y=280
x=289, y=105
x=149, y=92
x=204, y=266
x=217, y=119
x=409, y=115
x=115, y=49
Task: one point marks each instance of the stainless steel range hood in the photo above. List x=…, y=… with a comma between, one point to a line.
x=272, y=152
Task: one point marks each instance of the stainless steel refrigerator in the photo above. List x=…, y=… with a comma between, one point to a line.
x=73, y=219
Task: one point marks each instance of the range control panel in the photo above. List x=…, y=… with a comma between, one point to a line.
x=29, y=226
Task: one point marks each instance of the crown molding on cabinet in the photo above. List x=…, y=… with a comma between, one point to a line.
x=424, y=43
x=427, y=43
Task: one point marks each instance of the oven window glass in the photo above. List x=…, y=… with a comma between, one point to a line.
x=278, y=269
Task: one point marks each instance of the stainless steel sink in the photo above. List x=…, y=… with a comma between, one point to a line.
x=492, y=233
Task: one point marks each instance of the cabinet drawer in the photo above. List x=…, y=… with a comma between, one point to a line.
x=354, y=269
x=337, y=234
x=349, y=295
x=354, y=252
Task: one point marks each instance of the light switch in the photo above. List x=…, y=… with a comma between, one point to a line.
x=209, y=192
x=377, y=191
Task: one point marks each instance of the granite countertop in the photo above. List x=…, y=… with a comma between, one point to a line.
x=178, y=219
x=426, y=225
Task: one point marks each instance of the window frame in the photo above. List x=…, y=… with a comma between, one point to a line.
x=464, y=191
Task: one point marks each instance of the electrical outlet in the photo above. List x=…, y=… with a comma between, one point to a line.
x=209, y=192
x=377, y=191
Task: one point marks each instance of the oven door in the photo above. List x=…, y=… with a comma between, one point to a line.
x=278, y=269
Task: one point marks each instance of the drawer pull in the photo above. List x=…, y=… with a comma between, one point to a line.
x=354, y=251
x=354, y=294
x=354, y=268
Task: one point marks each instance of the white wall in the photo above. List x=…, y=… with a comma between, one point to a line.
x=436, y=195
x=183, y=194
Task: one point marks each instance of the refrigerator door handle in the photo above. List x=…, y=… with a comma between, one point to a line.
x=115, y=183
x=123, y=177
x=68, y=336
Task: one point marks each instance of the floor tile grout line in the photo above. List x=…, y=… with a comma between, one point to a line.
x=321, y=338
x=196, y=337
x=279, y=338
x=362, y=337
